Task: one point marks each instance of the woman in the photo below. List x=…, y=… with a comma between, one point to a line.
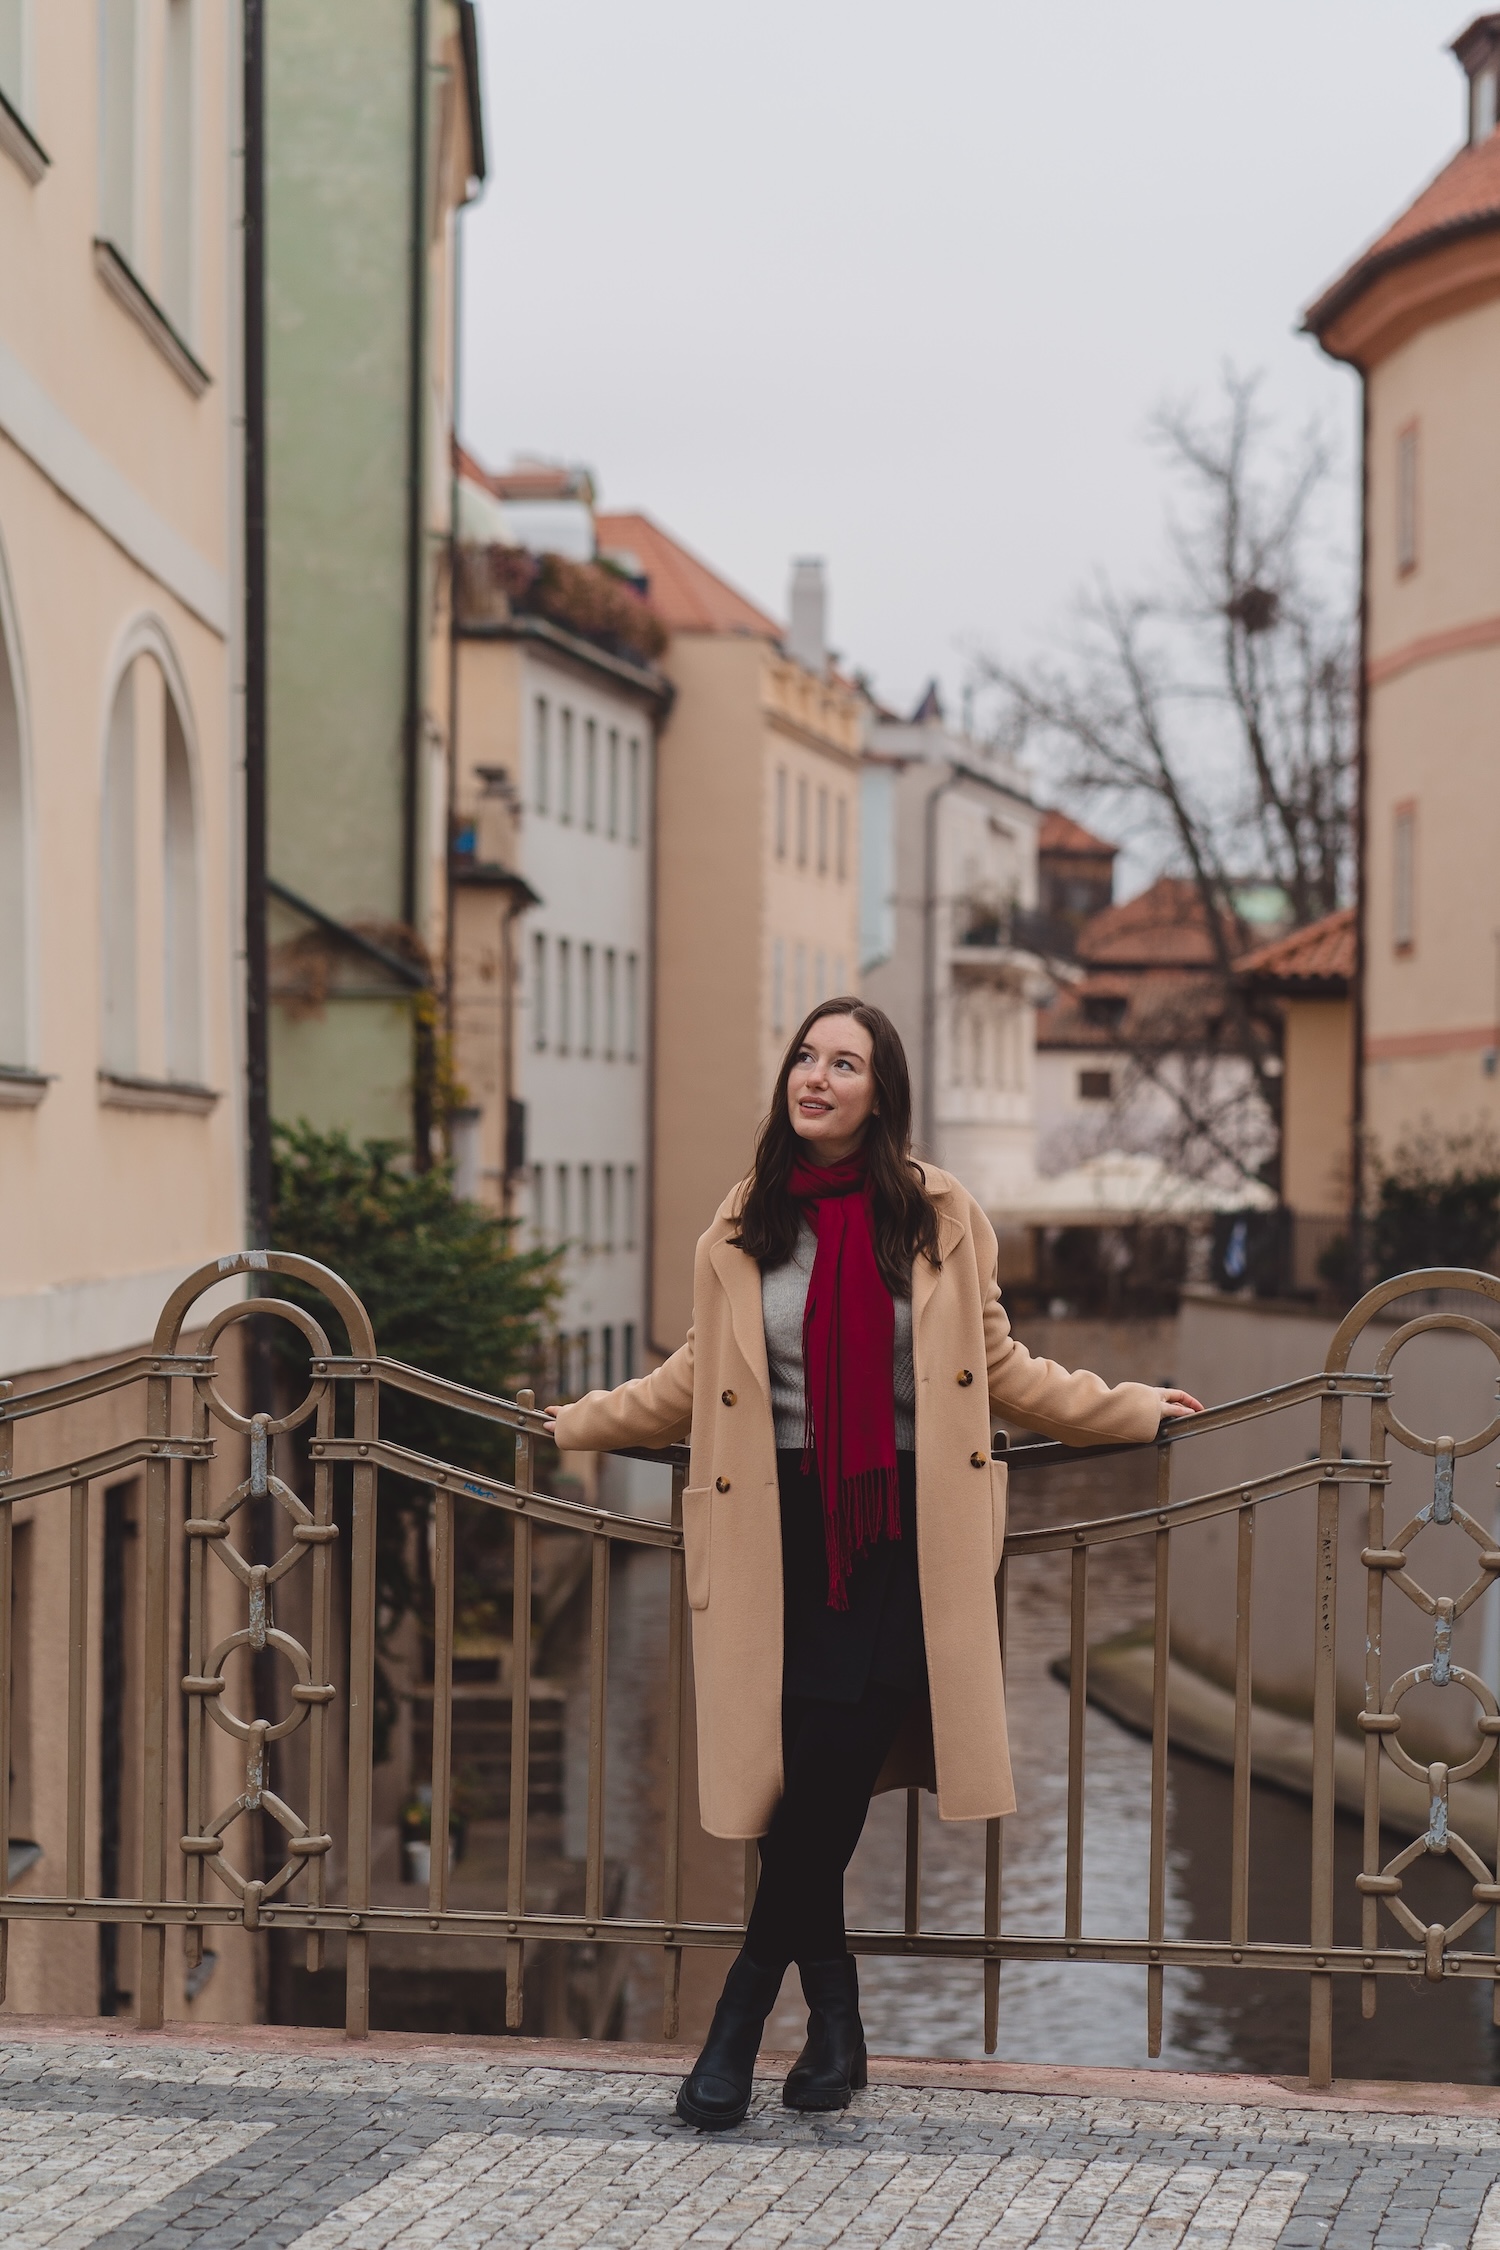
x=844, y=1520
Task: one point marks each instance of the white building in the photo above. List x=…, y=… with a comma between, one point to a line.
x=948, y=864
x=552, y=886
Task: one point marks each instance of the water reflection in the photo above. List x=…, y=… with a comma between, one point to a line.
x=1049, y=2012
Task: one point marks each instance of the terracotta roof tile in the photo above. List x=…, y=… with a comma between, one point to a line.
x=1321, y=954
x=1463, y=199
x=1162, y=927
x=687, y=596
x=526, y=480
x=1060, y=834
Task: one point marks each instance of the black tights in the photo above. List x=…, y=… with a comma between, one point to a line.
x=833, y=1754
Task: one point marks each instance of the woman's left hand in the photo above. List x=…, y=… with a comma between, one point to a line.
x=1176, y=1404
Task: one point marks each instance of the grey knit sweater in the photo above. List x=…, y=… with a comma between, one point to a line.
x=783, y=1302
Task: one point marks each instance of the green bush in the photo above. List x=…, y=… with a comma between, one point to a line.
x=1437, y=1203
x=446, y=1290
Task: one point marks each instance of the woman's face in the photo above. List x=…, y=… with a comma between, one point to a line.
x=831, y=1091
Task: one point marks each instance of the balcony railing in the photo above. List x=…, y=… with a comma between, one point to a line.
x=199, y=1874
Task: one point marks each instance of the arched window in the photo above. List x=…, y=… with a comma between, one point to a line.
x=14, y=902
x=152, y=1001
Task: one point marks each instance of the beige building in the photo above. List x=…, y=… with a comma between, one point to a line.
x=757, y=892
x=1418, y=314
x=120, y=1068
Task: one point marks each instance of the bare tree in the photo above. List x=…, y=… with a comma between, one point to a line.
x=1217, y=714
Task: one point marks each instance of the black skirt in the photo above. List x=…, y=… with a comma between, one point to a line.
x=833, y=1655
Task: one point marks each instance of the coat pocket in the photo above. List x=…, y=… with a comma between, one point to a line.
x=999, y=1486
x=697, y=1519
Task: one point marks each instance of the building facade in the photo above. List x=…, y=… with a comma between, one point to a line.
x=948, y=877
x=120, y=901
x=551, y=989
x=374, y=142
x=1418, y=315
x=757, y=875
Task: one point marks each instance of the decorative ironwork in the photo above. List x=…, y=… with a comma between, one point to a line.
x=325, y=1681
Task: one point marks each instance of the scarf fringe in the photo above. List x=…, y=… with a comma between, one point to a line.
x=869, y=1510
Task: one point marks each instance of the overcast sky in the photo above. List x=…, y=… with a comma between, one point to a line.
x=900, y=285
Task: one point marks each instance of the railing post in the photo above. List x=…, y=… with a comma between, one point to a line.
x=520, y=1727
x=1160, y=1722
x=361, y=1707
x=1078, y=1691
x=1244, y=1612
x=994, y=1855
x=672, y=1856
x=75, y=1878
x=151, y=1998
x=7, y=1457
x=442, y=1702
x=1325, y=1720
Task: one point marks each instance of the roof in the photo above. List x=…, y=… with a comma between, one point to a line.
x=686, y=595
x=1060, y=834
x=1155, y=1008
x=1317, y=960
x=1163, y=926
x=527, y=480
x=1464, y=199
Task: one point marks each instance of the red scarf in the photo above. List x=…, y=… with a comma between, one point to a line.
x=848, y=1344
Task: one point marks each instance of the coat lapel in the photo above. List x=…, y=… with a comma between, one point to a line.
x=925, y=1275
x=739, y=1276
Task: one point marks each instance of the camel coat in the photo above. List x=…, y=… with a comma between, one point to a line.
x=717, y=1388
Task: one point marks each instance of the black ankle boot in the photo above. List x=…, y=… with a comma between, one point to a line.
x=716, y=2091
x=832, y=2067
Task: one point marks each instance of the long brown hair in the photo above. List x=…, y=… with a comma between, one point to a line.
x=903, y=1215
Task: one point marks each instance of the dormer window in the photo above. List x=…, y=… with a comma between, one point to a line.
x=1482, y=104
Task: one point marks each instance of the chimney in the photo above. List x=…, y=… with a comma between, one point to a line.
x=807, y=634
x=1478, y=51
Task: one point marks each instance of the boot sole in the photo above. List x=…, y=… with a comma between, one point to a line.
x=838, y=2098
x=709, y=2121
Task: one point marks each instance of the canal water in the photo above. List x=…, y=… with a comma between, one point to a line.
x=1049, y=2012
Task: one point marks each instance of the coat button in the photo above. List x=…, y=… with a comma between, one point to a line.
x=721, y=1484
x=727, y=1397
x=978, y=1461
x=964, y=1378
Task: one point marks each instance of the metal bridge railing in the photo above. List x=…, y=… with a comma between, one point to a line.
x=193, y=1879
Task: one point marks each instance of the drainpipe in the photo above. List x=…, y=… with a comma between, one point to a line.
x=257, y=979
x=1362, y=853
x=411, y=729
x=930, y=905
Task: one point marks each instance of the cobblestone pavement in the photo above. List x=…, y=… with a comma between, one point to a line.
x=215, y=2142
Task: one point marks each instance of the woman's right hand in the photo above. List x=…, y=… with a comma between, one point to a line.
x=551, y=1413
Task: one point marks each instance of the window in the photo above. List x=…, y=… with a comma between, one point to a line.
x=781, y=812
x=539, y=1204
x=800, y=982
x=178, y=212
x=590, y=775
x=564, y=1213
x=583, y=1360
x=607, y=1358
x=542, y=756
x=635, y=789
x=840, y=981
x=611, y=1003
x=585, y=1000
x=841, y=838
x=565, y=759
x=628, y=1232
x=822, y=831
x=14, y=1042
x=564, y=996
x=614, y=781
x=586, y=1235
x=119, y=40
x=632, y=1005
x=820, y=983
x=607, y=1208
x=1482, y=106
x=539, y=991
x=801, y=821
x=1404, y=879
x=1406, y=500
x=778, y=987
x=1096, y=1085
x=152, y=1000
x=627, y=1352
